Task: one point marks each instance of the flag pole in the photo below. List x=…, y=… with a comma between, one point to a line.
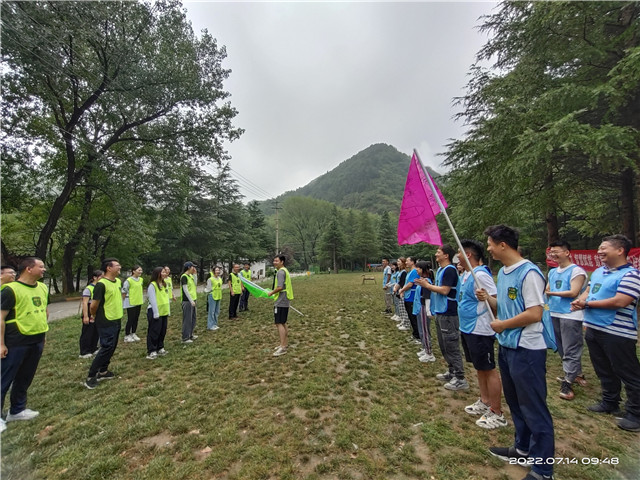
x=453, y=230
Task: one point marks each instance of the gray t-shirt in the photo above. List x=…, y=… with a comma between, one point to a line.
x=282, y=300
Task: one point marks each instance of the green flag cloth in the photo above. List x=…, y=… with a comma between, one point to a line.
x=255, y=290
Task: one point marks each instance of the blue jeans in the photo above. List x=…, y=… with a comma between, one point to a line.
x=524, y=384
x=214, y=312
x=18, y=368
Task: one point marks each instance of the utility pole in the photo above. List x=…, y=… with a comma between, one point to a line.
x=277, y=228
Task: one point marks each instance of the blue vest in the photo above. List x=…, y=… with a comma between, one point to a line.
x=560, y=282
x=602, y=287
x=468, y=303
x=439, y=301
x=511, y=303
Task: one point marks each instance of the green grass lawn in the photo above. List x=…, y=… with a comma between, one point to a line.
x=348, y=401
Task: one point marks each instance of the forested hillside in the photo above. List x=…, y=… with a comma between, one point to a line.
x=371, y=180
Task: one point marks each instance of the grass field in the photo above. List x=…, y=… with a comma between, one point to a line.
x=349, y=401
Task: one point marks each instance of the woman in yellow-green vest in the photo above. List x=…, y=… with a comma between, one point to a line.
x=188, y=295
x=169, y=283
x=89, y=334
x=132, y=296
x=24, y=319
x=157, y=313
x=214, y=295
x=106, y=308
x=235, y=291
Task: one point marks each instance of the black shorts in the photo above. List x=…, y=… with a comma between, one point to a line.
x=479, y=350
x=280, y=314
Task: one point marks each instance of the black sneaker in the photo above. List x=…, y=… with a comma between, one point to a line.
x=602, y=408
x=566, y=392
x=108, y=375
x=91, y=383
x=507, y=453
x=629, y=423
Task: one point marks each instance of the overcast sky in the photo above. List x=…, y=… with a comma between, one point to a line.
x=315, y=83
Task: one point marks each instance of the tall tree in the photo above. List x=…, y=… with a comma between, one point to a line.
x=365, y=242
x=93, y=85
x=558, y=116
x=332, y=242
x=387, y=233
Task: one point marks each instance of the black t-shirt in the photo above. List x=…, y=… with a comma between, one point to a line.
x=12, y=335
x=402, y=279
x=450, y=279
x=98, y=295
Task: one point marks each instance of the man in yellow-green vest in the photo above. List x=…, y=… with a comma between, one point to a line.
x=23, y=327
x=244, y=298
x=106, y=308
x=235, y=291
x=188, y=295
x=282, y=287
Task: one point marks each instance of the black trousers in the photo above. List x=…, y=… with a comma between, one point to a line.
x=157, y=331
x=88, y=338
x=133, y=313
x=234, y=300
x=615, y=362
x=412, y=319
x=108, y=342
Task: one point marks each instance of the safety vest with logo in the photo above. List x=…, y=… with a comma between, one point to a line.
x=162, y=299
x=191, y=287
x=236, y=283
x=30, y=307
x=602, y=287
x=216, y=287
x=287, y=283
x=135, y=291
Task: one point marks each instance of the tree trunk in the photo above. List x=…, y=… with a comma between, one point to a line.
x=71, y=247
x=628, y=197
x=552, y=227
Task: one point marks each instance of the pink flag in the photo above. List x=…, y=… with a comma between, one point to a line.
x=417, y=222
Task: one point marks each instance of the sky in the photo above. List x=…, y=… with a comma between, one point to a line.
x=315, y=83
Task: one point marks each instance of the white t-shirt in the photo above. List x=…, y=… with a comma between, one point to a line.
x=484, y=319
x=578, y=314
x=533, y=294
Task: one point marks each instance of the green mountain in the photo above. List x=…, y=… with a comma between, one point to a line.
x=371, y=180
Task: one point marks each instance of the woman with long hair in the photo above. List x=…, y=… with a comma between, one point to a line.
x=157, y=313
x=404, y=323
x=132, y=302
x=421, y=308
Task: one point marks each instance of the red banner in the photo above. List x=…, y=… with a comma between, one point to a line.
x=589, y=260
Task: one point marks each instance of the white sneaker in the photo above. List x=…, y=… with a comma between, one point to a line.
x=279, y=351
x=421, y=352
x=478, y=408
x=86, y=355
x=26, y=414
x=395, y=317
x=491, y=420
x=193, y=337
x=427, y=358
x=403, y=328
x=188, y=340
x=3, y=425
x=162, y=352
x=152, y=356
x=128, y=339
x=135, y=337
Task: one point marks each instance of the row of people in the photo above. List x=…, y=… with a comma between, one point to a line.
x=25, y=313
x=462, y=304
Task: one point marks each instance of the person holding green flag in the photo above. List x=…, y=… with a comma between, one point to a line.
x=244, y=299
x=282, y=287
x=214, y=296
x=188, y=295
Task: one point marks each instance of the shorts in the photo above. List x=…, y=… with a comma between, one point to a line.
x=280, y=314
x=479, y=350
